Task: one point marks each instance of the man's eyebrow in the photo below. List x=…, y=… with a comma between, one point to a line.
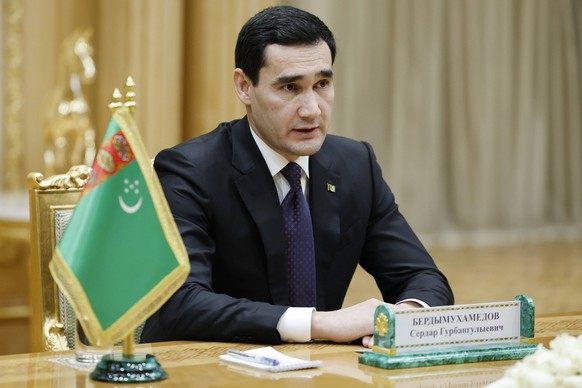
x=287, y=79
x=326, y=73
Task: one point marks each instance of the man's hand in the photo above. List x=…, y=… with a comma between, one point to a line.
x=347, y=324
x=350, y=323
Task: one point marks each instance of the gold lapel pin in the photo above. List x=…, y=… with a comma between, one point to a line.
x=331, y=188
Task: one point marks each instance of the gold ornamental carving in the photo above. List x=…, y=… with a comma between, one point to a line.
x=69, y=136
x=54, y=334
x=76, y=177
x=381, y=324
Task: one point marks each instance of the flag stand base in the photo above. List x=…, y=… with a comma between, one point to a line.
x=128, y=369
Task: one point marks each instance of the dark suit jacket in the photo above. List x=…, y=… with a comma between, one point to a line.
x=226, y=207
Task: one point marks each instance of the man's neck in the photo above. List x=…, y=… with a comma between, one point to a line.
x=275, y=161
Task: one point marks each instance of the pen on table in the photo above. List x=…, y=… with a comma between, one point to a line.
x=253, y=358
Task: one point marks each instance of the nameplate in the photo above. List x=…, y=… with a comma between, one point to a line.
x=452, y=334
x=460, y=325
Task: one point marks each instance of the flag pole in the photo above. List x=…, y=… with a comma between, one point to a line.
x=117, y=102
x=128, y=346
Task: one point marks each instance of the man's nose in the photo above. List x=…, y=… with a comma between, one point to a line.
x=309, y=104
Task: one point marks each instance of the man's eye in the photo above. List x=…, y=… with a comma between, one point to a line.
x=290, y=87
x=323, y=84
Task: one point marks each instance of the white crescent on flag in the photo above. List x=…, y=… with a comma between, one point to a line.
x=130, y=187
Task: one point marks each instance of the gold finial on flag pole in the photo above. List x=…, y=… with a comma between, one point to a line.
x=130, y=94
x=116, y=100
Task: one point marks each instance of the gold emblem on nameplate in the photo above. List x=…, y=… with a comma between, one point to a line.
x=331, y=188
x=381, y=325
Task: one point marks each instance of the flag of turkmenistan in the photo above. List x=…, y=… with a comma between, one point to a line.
x=121, y=256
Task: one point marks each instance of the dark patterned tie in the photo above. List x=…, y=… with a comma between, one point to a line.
x=299, y=235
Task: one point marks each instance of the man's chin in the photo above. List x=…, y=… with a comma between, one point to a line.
x=309, y=147
x=309, y=150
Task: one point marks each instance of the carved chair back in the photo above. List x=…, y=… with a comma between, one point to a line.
x=52, y=201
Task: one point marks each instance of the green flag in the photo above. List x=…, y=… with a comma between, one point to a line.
x=121, y=256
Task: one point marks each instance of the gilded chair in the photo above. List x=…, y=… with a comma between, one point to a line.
x=52, y=201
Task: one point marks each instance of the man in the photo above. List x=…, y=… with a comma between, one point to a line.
x=228, y=192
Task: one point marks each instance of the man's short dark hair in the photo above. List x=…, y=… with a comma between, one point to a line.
x=283, y=25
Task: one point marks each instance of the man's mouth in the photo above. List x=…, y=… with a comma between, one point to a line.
x=305, y=130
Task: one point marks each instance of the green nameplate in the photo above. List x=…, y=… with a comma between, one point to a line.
x=452, y=334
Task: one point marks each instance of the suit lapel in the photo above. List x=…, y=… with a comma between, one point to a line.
x=324, y=200
x=259, y=195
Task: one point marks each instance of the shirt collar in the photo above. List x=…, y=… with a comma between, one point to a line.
x=275, y=162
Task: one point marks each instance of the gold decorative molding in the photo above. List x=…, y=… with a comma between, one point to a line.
x=76, y=177
x=54, y=334
x=13, y=100
x=69, y=137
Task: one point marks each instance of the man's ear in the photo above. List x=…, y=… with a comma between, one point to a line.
x=242, y=84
